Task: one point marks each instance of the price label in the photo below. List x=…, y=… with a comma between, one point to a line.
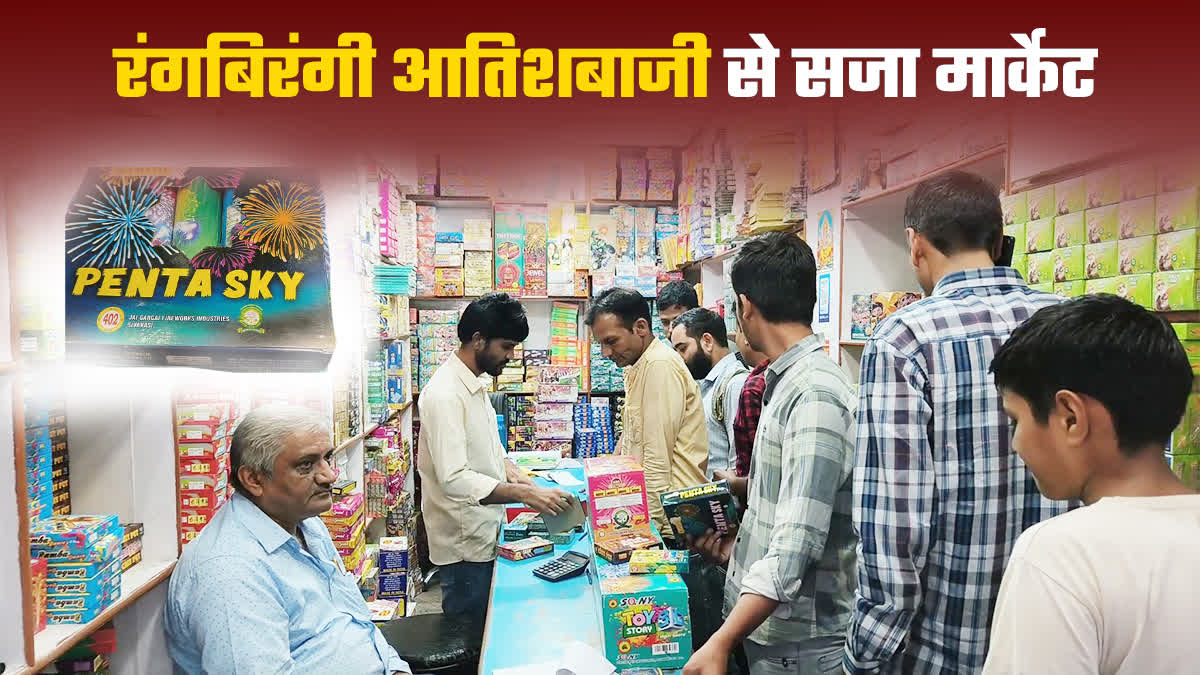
x=196, y=520
x=197, y=501
x=198, y=467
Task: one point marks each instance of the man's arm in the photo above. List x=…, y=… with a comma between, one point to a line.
x=243, y=627
x=893, y=505
x=515, y=475
x=1040, y=626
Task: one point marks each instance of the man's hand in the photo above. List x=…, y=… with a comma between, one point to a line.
x=737, y=485
x=546, y=500
x=715, y=548
x=711, y=659
x=516, y=475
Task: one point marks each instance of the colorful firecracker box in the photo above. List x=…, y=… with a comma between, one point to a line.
x=645, y=621
x=532, y=547
x=132, y=532
x=38, y=572
x=619, y=550
x=658, y=561
x=383, y=611
x=511, y=532
x=66, y=537
x=616, y=497
x=393, y=554
x=696, y=510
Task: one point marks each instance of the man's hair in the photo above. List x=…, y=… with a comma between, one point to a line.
x=697, y=322
x=956, y=211
x=495, y=316
x=626, y=304
x=778, y=273
x=262, y=435
x=678, y=294
x=1102, y=346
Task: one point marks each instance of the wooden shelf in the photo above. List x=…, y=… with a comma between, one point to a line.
x=54, y=641
x=732, y=251
x=890, y=202
x=1183, y=316
x=452, y=202
x=853, y=343
x=346, y=444
x=636, y=203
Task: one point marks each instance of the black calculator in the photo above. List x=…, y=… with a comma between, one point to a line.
x=570, y=564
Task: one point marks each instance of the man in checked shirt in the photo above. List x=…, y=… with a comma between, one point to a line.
x=790, y=583
x=939, y=496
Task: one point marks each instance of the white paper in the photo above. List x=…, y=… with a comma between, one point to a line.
x=584, y=659
x=568, y=463
x=565, y=478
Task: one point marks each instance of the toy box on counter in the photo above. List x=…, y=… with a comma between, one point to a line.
x=645, y=621
x=208, y=275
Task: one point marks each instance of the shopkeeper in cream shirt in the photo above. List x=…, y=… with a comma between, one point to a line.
x=465, y=478
x=664, y=425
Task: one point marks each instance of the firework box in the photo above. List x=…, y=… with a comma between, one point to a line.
x=1039, y=235
x=617, y=497
x=1103, y=224
x=645, y=620
x=241, y=283
x=1070, y=230
x=1136, y=218
x=530, y=547
x=510, y=251
x=1100, y=260
x=658, y=561
x=1175, y=290
x=1178, y=210
x=698, y=509
x=1040, y=203
x=619, y=550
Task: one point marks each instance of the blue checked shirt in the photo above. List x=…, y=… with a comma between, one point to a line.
x=796, y=543
x=940, y=498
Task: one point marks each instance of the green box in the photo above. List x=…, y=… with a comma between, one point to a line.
x=1192, y=349
x=1136, y=218
x=1017, y=232
x=1187, y=331
x=1134, y=287
x=1103, y=187
x=1039, y=235
x=1041, y=268
x=1070, y=196
x=1100, y=260
x=644, y=618
x=1138, y=180
x=1177, y=210
x=1020, y=263
x=1177, y=250
x=1070, y=230
x=1070, y=289
x=1174, y=290
x=1068, y=263
x=1040, y=203
x=1044, y=288
x=1102, y=224
x=1137, y=256
x=1016, y=209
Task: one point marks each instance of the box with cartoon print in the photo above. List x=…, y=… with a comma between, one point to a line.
x=1177, y=210
x=1040, y=203
x=1137, y=256
x=1103, y=187
x=1137, y=218
x=1100, y=260
x=1039, y=235
x=1101, y=224
x=1070, y=230
x=1015, y=209
x=1070, y=196
x=1070, y=289
x=1041, y=268
x=1020, y=263
x=1068, y=264
x=1176, y=250
x=1174, y=290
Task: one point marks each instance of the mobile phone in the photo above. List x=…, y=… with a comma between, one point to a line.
x=1007, y=246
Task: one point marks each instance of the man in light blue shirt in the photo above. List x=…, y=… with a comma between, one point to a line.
x=262, y=589
x=700, y=338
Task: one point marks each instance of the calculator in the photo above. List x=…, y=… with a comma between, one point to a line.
x=570, y=564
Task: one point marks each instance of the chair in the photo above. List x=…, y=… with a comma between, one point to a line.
x=434, y=643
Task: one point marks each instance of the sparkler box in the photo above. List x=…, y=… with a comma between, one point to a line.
x=226, y=269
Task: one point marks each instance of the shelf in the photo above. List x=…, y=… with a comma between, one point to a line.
x=1182, y=316
x=370, y=430
x=636, y=203
x=732, y=251
x=853, y=343
x=551, y=298
x=452, y=202
x=51, y=643
x=889, y=204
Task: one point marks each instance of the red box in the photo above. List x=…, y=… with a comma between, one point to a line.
x=203, y=449
x=211, y=468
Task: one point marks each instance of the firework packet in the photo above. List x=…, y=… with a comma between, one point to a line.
x=219, y=268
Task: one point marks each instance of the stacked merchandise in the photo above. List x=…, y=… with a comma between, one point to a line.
x=604, y=375
x=535, y=361
x=427, y=175
x=414, y=350
x=724, y=175
x=521, y=423
x=602, y=250
x=645, y=252
x=398, y=372
x=555, y=410
x=1183, y=453
x=656, y=327
x=564, y=334
x=666, y=234
x=47, y=475
x=83, y=565
x=455, y=179
x=393, y=572
x=448, y=264
x=393, y=280
x=633, y=178
x=537, y=232
x=560, y=252
x=376, y=379
x=92, y=655
x=204, y=423
x=625, y=229
x=396, y=217
x=477, y=273
x=131, y=544
x=593, y=428
x=37, y=589
x=347, y=525
x=696, y=198
x=1109, y=232
x=426, y=246
x=509, y=249
x=437, y=333
x=512, y=378
x=662, y=174
x=769, y=173
x=868, y=310
x=602, y=175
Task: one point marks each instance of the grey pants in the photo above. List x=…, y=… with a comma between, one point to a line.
x=815, y=656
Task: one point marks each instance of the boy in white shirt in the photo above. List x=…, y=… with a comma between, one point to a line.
x=1094, y=388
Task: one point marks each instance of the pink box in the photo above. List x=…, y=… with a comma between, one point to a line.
x=616, y=497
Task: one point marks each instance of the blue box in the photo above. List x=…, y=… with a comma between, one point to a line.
x=74, y=535
x=95, y=584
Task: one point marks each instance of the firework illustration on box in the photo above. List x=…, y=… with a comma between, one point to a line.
x=223, y=268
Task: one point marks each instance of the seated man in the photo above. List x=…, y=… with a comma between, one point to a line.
x=262, y=589
x=1094, y=388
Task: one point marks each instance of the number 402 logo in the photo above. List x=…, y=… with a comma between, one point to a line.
x=110, y=319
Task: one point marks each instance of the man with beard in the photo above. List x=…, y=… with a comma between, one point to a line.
x=699, y=336
x=465, y=477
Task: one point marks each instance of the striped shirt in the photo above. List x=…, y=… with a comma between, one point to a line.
x=796, y=543
x=939, y=496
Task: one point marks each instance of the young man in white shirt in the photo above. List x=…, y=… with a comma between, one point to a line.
x=1094, y=388
x=465, y=477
